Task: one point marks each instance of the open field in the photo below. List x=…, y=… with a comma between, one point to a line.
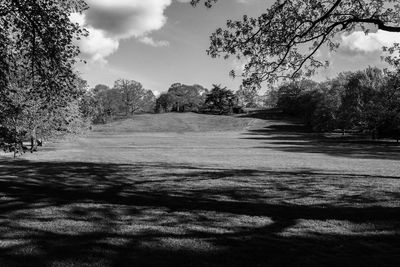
x=198, y=190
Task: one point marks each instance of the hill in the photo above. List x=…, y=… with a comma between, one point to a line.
x=176, y=122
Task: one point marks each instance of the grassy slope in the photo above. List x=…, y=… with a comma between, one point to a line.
x=176, y=122
x=164, y=189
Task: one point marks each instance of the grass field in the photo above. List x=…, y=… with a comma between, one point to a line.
x=198, y=190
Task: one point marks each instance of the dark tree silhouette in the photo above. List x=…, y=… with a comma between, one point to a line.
x=221, y=100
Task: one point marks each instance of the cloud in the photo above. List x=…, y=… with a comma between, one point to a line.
x=243, y=1
x=150, y=41
x=358, y=41
x=110, y=21
x=127, y=18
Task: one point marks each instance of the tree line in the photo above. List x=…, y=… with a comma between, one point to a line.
x=195, y=98
x=365, y=101
x=102, y=104
x=125, y=98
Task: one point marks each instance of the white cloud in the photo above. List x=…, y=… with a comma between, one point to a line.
x=127, y=18
x=97, y=45
x=245, y=1
x=150, y=41
x=110, y=21
x=358, y=41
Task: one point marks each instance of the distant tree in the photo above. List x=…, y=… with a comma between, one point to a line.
x=324, y=117
x=164, y=103
x=292, y=94
x=271, y=98
x=247, y=96
x=103, y=102
x=315, y=103
x=381, y=103
x=182, y=98
x=359, y=89
x=187, y=98
x=148, y=102
x=366, y=101
x=134, y=97
x=283, y=40
x=100, y=88
x=221, y=100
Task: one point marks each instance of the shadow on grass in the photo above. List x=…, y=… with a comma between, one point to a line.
x=90, y=214
x=290, y=135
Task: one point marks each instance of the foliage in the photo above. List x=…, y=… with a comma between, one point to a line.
x=133, y=97
x=220, y=100
x=182, y=98
x=37, y=81
x=126, y=97
x=271, y=97
x=366, y=101
x=25, y=115
x=283, y=41
x=247, y=97
x=165, y=103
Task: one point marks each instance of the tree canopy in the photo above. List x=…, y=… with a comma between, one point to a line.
x=365, y=101
x=39, y=87
x=221, y=100
x=127, y=97
x=283, y=41
x=182, y=98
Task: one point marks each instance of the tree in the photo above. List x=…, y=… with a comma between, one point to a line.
x=109, y=102
x=221, y=100
x=182, y=98
x=324, y=117
x=247, y=97
x=381, y=103
x=37, y=58
x=24, y=115
x=188, y=98
x=283, y=41
x=165, y=103
x=134, y=97
x=365, y=101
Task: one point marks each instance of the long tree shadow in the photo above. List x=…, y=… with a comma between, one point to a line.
x=287, y=134
x=152, y=214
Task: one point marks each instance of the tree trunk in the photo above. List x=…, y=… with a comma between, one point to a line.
x=33, y=141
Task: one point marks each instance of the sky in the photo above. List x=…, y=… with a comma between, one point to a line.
x=161, y=42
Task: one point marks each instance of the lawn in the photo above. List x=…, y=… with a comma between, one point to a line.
x=199, y=190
